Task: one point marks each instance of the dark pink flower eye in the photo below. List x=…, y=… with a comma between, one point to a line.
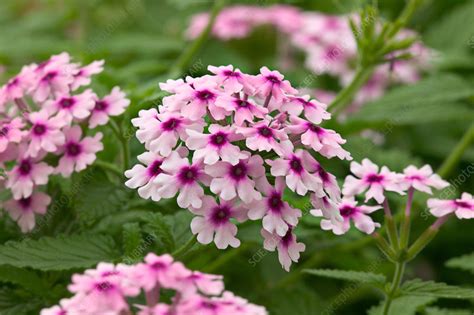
x=238, y=171
x=155, y=168
x=347, y=211
x=273, y=79
x=205, y=95
x=101, y=105
x=73, y=149
x=374, y=178
x=25, y=167
x=219, y=139
x=66, y=102
x=39, y=129
x=265, y=132
x=221, y=214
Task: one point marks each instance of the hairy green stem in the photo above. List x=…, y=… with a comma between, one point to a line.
x=391, y=226
x=185, y=248
x=109, y=167
x=118, y=131
x=453, y=159
x=397, y=280
x=406, y=220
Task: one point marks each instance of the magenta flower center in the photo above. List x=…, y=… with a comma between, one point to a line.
x=13, y=82
x=463, y=204
x=316, y=129
x=171, y=124
x=49, y=76
x=242, y=103
x=73, y=149
x=220, y=214
x=205, y=95
x=219, y=139
x=265, y=132
x=158, y=265
x=273, y=79
x=275, y=203
x=287, y=239
x=209, y=305
x=25, y=202
x=67, y=102
x=295, y=165
x=155, y=168
x=25, y=167
x=374, y=178
x=104, y=286
x=101, y=105
x=188, y=174
x=39, y=129
x=238, y=171
x=4, y=132
x=347, y=211
x=230, y=73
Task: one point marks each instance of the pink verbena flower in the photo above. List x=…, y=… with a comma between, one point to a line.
x=213, y=222
x=72, y=106
x=463, y=207
x=78, y=153
x=422, y=179
x=276, y=213
x=83, y=75
x=270, y=83
x=142, y=176
x=287, y=246
x=313, y=110
x=11, y=132
x=231, y=79
x=113, y=104
x=350, y=211
x=369, y=178
x=243, y=109
x=45, y=132
x=23, y=210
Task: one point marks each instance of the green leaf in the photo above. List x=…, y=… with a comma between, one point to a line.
x=441, y=311
x=465, y=262
x=436, y=289
x=12, y=303
x=162, y=229
x=406, y=305
x=353, y=276
x=436, y=99
x=27, y=279
x=132, y=240
x=61, y=253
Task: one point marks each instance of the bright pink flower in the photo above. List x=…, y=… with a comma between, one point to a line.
x=325, y=207
x=288, y=247
x=369, y=177
x=54, y=77
x=276, y=213
x=422, y=179
x=182, y=177
x=45, y=132
x=230, y=181
x=312, y=110
x=350, y=211
x=16, y=86
x=295, y=168
x=205, y=283
x=172, y=86
x=329, y=182
x=78, y=153
x=83, y=76
x=271, y=84
x=27, y=173
x=325, y=141
x=23, y=210
x=263, y=136
x=217, y=144
x=72, y=106
x=213, y=222
x=243, y=109
x=142, y=177
x=113, y=104
x=232, y=80
x=463, y=207
x=10, y=131
x=161, y=132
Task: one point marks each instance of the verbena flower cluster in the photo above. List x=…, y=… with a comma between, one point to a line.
x=43, y=111
x=326, y=40
x=374, y=183
x=228, y=145
x=107, y=288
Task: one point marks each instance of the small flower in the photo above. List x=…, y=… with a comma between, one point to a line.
x=230, y=181
x=243, y=109
x=313, y=110
x=217, y=144
x=83, y=76
x=10, y=132
x=77, y=153
x=370, y=178
x=325, y=141
x=328, y=181
x=350, y=211
x=180, y=175
x=45, y=132
x=213, y=222
x=232, y=80
x=271, y=84
x=23, y=210
x=295, y=168
x=113, y=104
x=422, y=179
x=276, y=213
x=288, y=248
x=27, y=173
x=463, y=208
x=72, y=107
x=325, y=207
x=263, y=136
x=143, y=176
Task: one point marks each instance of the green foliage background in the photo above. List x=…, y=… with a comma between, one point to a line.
x=95, y=218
